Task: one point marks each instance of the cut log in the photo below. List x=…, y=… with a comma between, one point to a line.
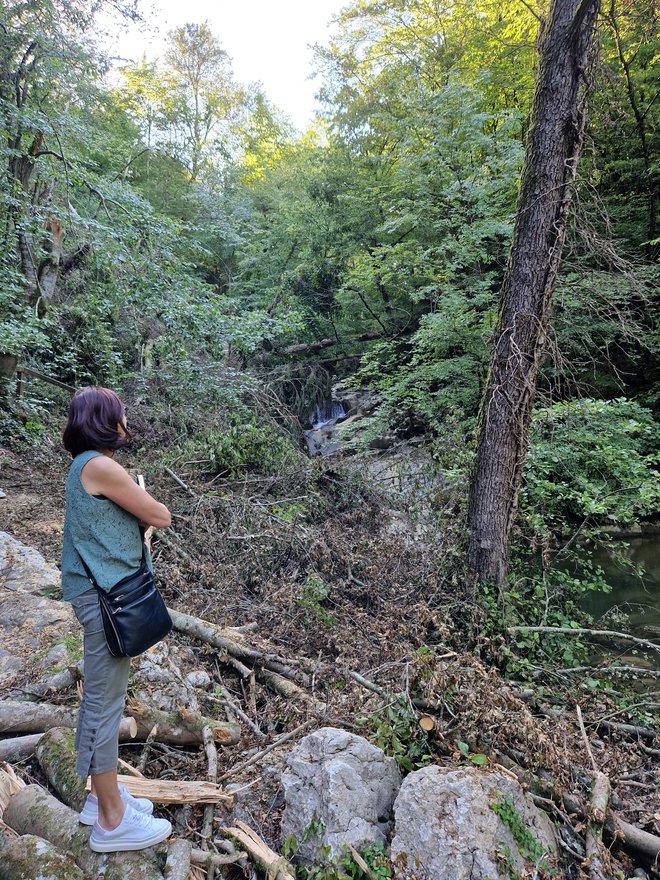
x=34, y=811
x=182, y=728
x=287, y=689
x=57, y=757
x=177, y=866
x=426, y=723
x=25, y=717
x=17, y=748
x=271, y=862
x=169, y=791
x=30, y=856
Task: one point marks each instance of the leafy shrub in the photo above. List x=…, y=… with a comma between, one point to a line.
x=247, y=446
x=591, y=459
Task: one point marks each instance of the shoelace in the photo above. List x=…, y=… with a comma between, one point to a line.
x=137, y=818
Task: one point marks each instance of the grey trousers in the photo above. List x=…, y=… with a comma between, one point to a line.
x=104, y=692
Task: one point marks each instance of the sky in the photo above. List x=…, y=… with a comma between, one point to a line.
x=267, y=40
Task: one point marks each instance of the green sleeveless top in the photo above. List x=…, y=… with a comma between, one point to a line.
x=97, y=530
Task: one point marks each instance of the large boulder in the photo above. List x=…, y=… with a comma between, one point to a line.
x=23, y=569
x=39, y=635
x=449, y=826
x=338, y=790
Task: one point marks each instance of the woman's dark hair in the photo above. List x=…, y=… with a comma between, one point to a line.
x=94, y=414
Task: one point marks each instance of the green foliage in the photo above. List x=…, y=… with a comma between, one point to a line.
x=344, y=867
x=528, y=846
x=247, y=446
x=591, y=460
x=396, y=731
x=311, y=597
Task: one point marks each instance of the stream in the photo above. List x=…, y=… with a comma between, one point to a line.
x=633, y=605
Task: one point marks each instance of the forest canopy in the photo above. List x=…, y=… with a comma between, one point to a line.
x=168, y=224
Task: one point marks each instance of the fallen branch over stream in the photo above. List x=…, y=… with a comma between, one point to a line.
x=580, y=631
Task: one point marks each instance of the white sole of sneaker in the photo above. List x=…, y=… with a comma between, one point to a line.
x=102, y=846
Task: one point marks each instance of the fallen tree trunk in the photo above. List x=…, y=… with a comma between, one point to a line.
x=19, y=717
x=34, y=811
x=17, y=748
x=182, y=728
x=57, y=758
x=31, y=856
x=177, y=866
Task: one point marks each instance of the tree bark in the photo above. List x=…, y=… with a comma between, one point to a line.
x=183, y=728
x=19, y=717
x=34, y=811
x=553, y=149
x=57, y=758
x=30, y=856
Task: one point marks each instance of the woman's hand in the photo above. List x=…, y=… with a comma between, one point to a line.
x=103, y=476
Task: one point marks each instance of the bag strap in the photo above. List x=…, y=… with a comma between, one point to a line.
x=91, y=576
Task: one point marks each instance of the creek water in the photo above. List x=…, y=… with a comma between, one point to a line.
x=633, y=605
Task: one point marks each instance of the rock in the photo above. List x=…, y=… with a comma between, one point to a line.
x=157, y=680
x=446, y=828
x=38, y=637
x=338, y=789
x=23, y=569
x=199, y=678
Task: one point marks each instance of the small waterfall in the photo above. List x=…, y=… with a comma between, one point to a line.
x=327, y=415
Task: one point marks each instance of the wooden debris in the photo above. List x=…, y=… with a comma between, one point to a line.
x=10, y=784
x=177, y=866
x=212, y=775
x=61, y=681
x=57, y=757
x=208, y=859
x=34, y=811
x=182, y=728
x=32, y=856
x=169, y=791
x=275, y=865
x=287, y=689
x=596, y=858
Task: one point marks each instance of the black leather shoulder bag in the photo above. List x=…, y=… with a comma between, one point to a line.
x=134, y=614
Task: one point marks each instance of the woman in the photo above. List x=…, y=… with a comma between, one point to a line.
x=105, y=511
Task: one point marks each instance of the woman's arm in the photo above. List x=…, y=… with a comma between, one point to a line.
x=103, y=476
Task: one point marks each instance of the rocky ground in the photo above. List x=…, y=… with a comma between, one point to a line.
x=335, y=615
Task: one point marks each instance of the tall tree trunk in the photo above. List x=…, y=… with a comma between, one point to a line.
x=553, y=148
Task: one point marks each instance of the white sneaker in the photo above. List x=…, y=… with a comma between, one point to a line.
x=135, y=831
x=90, y=812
